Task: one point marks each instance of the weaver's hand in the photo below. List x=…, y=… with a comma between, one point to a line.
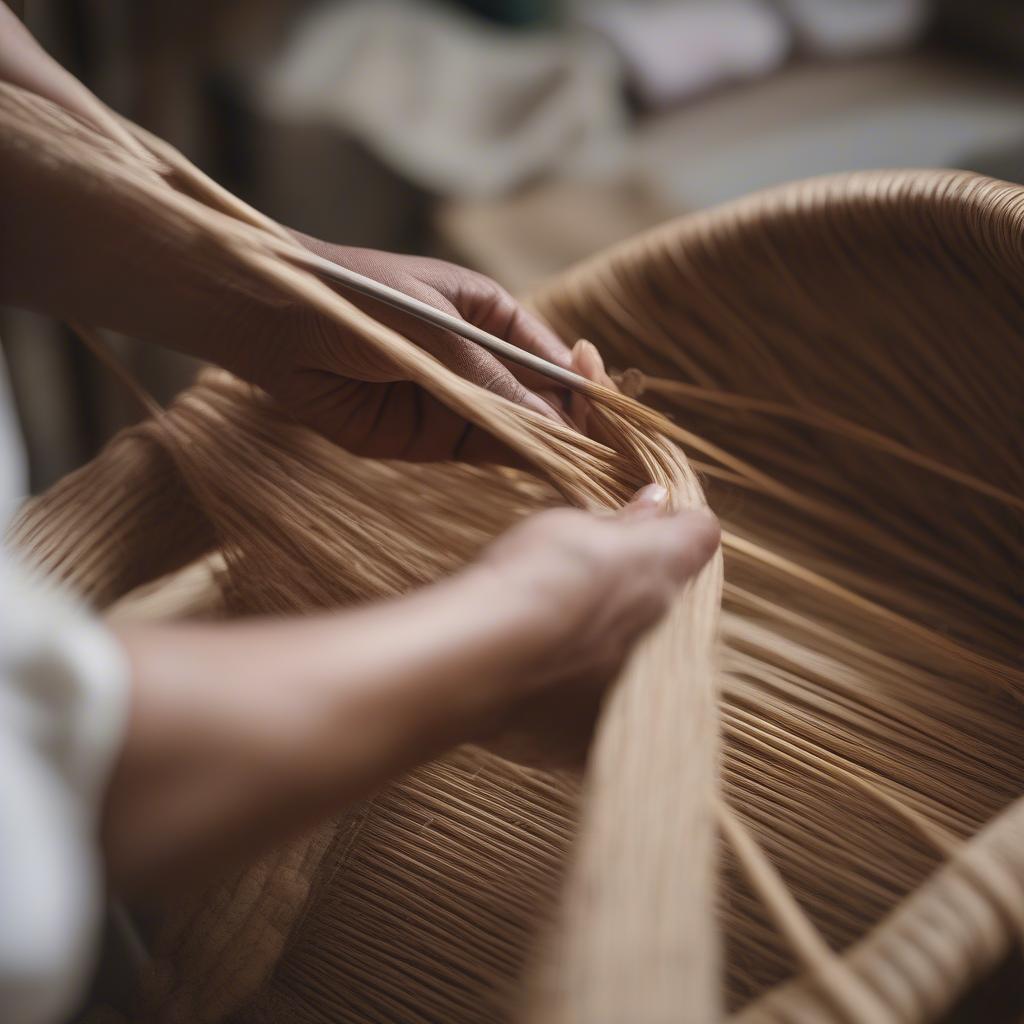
x=221, y=760
x=70, y=249
x=334, y=382
x=594, y=586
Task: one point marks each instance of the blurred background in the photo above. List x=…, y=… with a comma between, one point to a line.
x=514, y=136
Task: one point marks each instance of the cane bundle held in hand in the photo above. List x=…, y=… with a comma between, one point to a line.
x=840, y=361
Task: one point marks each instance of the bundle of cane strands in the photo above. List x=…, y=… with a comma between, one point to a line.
x=802, y=799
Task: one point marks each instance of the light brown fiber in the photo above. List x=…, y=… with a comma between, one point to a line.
x=803, y=801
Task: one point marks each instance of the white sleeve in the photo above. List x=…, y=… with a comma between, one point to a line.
x=63, y=705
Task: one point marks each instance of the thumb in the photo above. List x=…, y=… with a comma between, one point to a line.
x=587, y=362
x=649, y=501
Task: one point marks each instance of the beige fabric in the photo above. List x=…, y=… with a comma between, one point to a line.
x=454, y=105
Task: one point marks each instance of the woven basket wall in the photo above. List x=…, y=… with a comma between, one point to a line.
x=846, y=354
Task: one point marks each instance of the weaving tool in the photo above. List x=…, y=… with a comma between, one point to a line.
x=424, y=311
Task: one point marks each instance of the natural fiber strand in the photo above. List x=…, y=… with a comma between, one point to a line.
x=843, y=357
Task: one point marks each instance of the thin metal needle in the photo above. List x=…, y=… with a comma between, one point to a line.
x=424, y=311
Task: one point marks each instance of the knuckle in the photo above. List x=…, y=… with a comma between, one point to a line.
x=497, y=379
x=491, y=304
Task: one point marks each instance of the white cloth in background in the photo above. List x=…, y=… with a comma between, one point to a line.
x=850, y=28
x=457, y=106
x=673, y=51
x=63, y=703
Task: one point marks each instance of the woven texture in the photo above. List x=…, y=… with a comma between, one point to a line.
x=840, y=360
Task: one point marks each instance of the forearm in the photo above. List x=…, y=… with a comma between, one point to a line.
x=79, y=244
x=24, y=63
x=82, y=246
x=241, y=734
x=61, y=238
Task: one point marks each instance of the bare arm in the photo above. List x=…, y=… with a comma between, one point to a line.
x=25, y=63
x=70, y=248
x=242, y=734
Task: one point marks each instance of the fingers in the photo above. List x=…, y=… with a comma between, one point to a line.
x=678, y=544
x=649, y=500
x=520, y=327
x=476, y=364
x=653, y=555
x=481, y=302
x=586, y=361
x=594, y=586
x=528, y=331
x=475, y=445
x=461, y=293
x=489, y=306
x=471, y=361
x=440, y=285
x=489, y=373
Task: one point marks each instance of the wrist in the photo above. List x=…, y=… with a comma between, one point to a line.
x=514, y=628
x=452, y=658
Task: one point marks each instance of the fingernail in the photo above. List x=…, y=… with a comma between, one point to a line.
x=653, y=495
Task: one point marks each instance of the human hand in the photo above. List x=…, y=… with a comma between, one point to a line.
x=79, y=254
x=79, y=251
x=338, y=385
x=72, y=248
x=516, y=651
x=593, y=585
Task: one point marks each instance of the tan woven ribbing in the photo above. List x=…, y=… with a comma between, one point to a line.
x=122, y=521
x=940, y=939
x=585, y=471
x=867, y=682
x=639, y=856
x=841, y=355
